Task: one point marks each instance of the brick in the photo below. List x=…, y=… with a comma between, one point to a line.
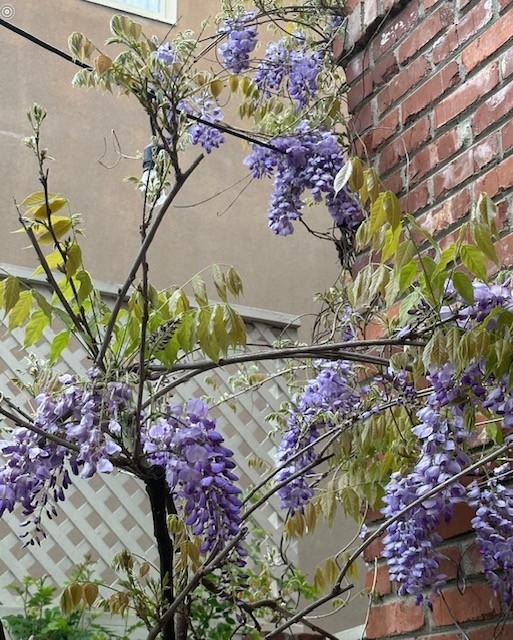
x=494, y=631
x=505, y=250
x=394, y=182
x=425, y=32
x=460, y=522
x=393, y=619
x=451, y=562
x=428, y=92
x=374, y=550
x=454, y=173
x=380, y=579
x=356, y=66
x=385, y=129
x=496, y=107
x=458, y=34
x=415, y=199
x=496, y=180
x=363, y=117
x=507, y=63
x=383, y=70
x=485, y=152
x=444, y=216
x=404, y=145
x=443, y=636
x=359, y=92
x=431, y=156
x=465, y=165
x=507, y=136
x=504, y=4
x=466, y=94
x=472, y=560
x=497, y=34
x=402, y=83
x=395, y=29
x=478, y=602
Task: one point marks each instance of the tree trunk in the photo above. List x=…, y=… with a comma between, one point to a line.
x=158, y=492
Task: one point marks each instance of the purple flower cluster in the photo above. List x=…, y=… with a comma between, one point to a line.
x=332, y=390
x=410, y=541
x=493, y=524
x=305, y=162
x=284, y=59
x=35, y=470
x=205, y=107
x=166, y=54
x=241, y=41
x=486, y=298
x=199, y=470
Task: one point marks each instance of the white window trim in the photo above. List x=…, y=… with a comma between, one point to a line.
x=166, y=14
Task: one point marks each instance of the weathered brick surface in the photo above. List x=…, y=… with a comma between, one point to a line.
x=380, y=580
x=394, y=619
x=475, y=602
x=431, y=96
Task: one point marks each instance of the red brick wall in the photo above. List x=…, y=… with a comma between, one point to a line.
x=431, y=98
x=431, y=94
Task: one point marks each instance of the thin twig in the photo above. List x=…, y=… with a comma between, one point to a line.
x=140, y=256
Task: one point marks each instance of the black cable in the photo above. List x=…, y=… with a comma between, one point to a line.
x=83, y=65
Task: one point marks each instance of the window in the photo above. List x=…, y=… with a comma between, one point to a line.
x=163, y=10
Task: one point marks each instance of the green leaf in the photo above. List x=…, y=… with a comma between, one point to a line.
x=21, y=310
x=125, y=28
x=86, y=285
x=406, y=276
x=356, y=178
x=59, y=343
x=486, y=210
x=377, y=216
x=474, y=260
x=219, y=281
x=483, y=239
x=392, y=209
x=54, y=260
x=216, y=88
x=11, y=293
x=463, y=286
x=435, y=352
x=178, y=302
x=60, y=227
x=206, y=336
x=200, y=291
x=391, y=242
x=234, y=282
x=74, y=260
x=35, y=327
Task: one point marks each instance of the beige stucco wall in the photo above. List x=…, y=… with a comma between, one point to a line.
x=278, y=273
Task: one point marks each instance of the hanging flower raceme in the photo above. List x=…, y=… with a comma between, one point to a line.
x=205, y=107
x=290, y=63
x=240, y=42
x=199, y=471
x=305, y=163
x=35, y=472
x=332, y=390
x=410, y=543
x=493, y=524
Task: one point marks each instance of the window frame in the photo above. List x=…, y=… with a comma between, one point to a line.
x=167, y=14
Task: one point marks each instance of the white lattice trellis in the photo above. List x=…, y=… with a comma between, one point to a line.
x=107, y=513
